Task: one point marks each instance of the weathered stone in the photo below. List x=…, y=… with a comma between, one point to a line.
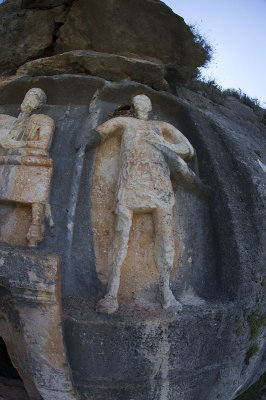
x=25, y=169
x=12, y=389
x=203, y=352
x=147, y=29
x=20, y=39
x=132, y=161
x=109, y=66
x=31, y=320
x=44, y=4
x=134, y=29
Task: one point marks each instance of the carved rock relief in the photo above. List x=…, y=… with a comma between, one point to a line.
x=30, y=296
x=25, y=171
x=133, y=215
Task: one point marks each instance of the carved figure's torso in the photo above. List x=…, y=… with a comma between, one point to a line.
x=144, y=181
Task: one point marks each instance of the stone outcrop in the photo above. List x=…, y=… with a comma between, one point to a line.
x=214, y=347
x=108, y=66
x=20, y=39
x=210, y=349
x=148, y=30
x=40, y=4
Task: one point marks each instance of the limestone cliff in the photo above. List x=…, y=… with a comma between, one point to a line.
x=91, y=57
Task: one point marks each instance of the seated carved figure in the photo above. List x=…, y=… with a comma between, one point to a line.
x=25, y=165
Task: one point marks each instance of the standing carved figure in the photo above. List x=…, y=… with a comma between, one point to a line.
x=144, y=186
x=25, y=165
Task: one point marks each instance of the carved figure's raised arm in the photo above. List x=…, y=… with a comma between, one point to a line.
x=177, y=142
x=181, y=145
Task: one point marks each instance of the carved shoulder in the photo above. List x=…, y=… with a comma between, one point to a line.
x=112, y=127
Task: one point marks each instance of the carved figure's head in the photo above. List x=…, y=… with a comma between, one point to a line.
x=142, y=106
x=33, y=99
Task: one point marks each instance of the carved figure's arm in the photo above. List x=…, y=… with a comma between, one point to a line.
x=40, y=132
x=9, y=143
x=182, y=173
x=94, y=137
x=6, y=140
x=180, y=145
x=113, y=127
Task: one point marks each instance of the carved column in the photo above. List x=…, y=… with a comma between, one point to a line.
x=31, y=323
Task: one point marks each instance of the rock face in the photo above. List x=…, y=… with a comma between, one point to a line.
x=214, y=347
x=136, y=29
x=207, y=350
x=109, y=66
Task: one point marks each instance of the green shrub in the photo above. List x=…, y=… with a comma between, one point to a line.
x=256, y=322
x=240, y=329
x=243, y=97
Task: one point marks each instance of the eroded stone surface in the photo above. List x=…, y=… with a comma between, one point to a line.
x=143, y=187
x=30, y=323
x=40, y=4
x=205, y=348
x=109, y=66
x=20, y=40
x=25, y=168
x=147, y=30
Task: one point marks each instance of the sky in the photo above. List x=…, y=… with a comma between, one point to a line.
x=236, y=29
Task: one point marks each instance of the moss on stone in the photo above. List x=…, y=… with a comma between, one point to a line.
x=240, y=329
x=256, y=322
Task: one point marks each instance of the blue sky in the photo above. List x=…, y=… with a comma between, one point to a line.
x=237, y=31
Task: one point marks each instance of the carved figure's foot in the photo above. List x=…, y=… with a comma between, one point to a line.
x=169, y=301
x=108, y=304
x=34, y=235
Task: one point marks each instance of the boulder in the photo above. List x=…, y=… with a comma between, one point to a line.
x=108, y=66
x=25, y=34
x=136, y=29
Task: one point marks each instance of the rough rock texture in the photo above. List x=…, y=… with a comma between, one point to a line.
x=30, y=323
x=109, y=66
x=44, y=4
x=12, y=389
x=136, y=29
x=20, y=40
x=215, y=346
x=208, y=351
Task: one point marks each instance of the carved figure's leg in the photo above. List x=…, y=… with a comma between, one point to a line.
x=34, y=234
x=109, y=303
x=164, y=253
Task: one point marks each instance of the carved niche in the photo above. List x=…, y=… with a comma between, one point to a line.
x=131, y=182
